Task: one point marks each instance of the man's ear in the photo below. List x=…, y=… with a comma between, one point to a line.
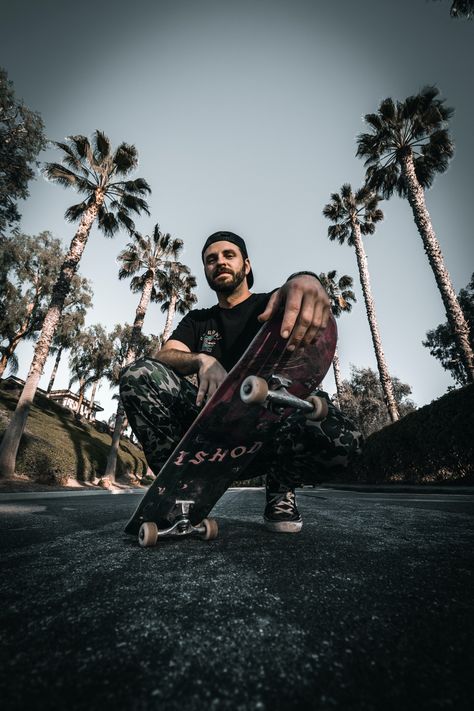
x=247, y=266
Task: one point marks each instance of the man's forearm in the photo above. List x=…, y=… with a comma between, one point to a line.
x=181, y=361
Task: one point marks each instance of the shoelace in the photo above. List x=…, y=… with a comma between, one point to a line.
x=283, y=503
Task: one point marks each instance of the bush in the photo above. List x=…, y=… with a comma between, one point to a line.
x=432, y=444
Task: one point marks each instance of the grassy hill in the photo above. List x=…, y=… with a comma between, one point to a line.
x=56, y=448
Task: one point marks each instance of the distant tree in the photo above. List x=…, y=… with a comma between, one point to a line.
x=98, y=173
x=148, y=261
x=407, y=145
x=21, y=140
x=354, y=215
x=125, y=340
x=30, y=266
x=101, y=359
x=340, y=295
x=77, y=302
x=177, y=295
x=362, y=400
x=91, y=356
x=442, y=343
x=80, y=366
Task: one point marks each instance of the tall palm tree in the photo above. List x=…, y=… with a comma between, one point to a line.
x=96, y=172
x=176, y=295
x=147, y=260
x=407, y=145
x=353, y=215
x=340, y=295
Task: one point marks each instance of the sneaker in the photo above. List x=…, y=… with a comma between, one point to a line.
x=281, y=514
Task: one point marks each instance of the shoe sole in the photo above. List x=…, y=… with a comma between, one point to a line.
x=283, y=526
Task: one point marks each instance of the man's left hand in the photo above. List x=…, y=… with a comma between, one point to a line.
x=307, y=310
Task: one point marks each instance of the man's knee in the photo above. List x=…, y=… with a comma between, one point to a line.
x=146, y=374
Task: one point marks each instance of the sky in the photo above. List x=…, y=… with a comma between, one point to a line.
x=245, y=115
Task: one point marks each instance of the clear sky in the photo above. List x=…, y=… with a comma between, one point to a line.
x=245, y=115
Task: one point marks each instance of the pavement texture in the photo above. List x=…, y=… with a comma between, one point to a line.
x=369, y=607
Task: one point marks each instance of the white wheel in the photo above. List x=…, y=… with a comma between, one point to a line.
x=148, y=534
x=320, y=406
x=212, y=529
x=253, y=390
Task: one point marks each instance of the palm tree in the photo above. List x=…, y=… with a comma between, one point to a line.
x=176, y=295
x=407, y=145
x=81, y=369
x=96, y=172
x=72, y=318
x=340, y=295
x=91, y=355
x=353, y=215
x=147, y=260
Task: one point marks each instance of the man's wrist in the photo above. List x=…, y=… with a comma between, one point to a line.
x=304, y=273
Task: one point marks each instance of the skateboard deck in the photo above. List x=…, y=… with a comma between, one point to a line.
x=228, y=432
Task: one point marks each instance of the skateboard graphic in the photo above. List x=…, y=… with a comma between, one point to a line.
x=261, y=390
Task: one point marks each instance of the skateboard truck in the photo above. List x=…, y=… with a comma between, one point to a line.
x=149, y=533
x=256, y=390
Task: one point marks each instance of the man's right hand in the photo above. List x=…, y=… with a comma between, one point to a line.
x=211, y=374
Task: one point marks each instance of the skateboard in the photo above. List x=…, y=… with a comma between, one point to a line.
x=262, y=389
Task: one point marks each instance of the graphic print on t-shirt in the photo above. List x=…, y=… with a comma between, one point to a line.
x=209, y=340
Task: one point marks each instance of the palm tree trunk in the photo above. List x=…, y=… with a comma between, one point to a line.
x=13, y=433
x=140, y=314
x=130, y=356
x=54, y=371
x=337, y=375
x=91, y=405
x=386, y=382
x=111, y=465
x=80, y=399
x=454, y=313
x=169, y=318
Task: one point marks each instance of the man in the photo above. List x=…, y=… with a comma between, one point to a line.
x=161, y=403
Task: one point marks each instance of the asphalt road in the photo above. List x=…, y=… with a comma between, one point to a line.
x=369, y=607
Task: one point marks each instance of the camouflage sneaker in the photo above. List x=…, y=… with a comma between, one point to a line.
x=281, y=514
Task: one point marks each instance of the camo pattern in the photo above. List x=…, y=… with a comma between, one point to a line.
x=161, y=406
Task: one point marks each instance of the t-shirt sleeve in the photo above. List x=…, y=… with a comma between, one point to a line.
x=185, y=332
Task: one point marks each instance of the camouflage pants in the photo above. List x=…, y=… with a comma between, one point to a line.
x=161, y=406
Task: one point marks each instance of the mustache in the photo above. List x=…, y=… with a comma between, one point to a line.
x=218, y=272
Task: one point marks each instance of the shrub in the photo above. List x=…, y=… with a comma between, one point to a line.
x=432, y=444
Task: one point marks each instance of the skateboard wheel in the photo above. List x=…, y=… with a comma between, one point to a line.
x=253, y=390
x=210, y=524
x=148, y=534
x=320, y=406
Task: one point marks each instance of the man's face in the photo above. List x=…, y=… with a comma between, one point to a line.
x=225, y=267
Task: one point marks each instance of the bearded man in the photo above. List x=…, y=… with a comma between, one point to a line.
x=161, y=403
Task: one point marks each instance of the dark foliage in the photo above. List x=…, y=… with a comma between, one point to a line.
x=21, y=140
x=433, y=444
x=361, y=398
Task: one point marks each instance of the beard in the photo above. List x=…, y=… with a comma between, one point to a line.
x=230, y=285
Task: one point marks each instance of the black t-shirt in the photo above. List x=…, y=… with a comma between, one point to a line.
x=223, y=333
